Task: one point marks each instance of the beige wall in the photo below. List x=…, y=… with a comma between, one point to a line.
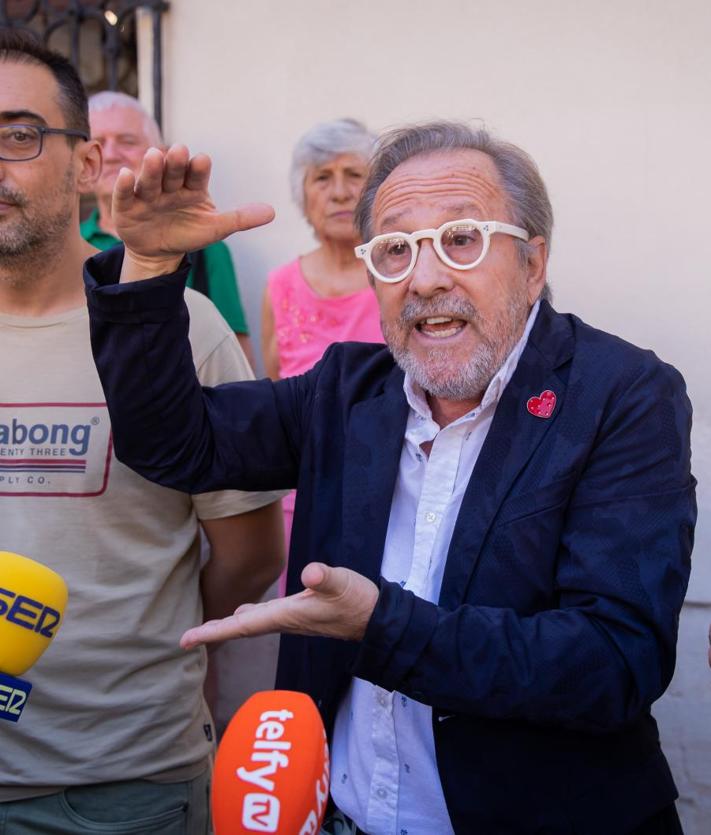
x=612, y=99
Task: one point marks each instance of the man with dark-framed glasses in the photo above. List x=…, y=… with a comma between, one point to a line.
x=495, y=513
x=118, y=737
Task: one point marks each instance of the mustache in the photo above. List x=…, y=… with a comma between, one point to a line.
x=13, y=197
x=416, y=309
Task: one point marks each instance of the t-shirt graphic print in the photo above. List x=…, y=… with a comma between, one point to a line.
x=54, y=449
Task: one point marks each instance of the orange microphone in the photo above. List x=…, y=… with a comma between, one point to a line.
x=272, y=768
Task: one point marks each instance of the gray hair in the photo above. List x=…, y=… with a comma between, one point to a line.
x=322, y=143
x=111, y=98
x=527, y=197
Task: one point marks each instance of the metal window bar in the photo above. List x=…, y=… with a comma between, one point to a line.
x=45, y=17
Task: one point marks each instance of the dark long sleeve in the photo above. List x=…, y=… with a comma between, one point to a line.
x=166, y=426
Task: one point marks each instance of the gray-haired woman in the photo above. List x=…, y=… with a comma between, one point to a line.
x=322, y=297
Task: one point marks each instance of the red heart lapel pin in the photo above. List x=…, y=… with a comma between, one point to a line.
x=543, y=405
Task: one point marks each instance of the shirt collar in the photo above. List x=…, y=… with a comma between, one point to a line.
x=92, y=232
x=91, y=225
x=417, y=399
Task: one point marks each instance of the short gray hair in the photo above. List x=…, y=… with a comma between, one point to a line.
x=322, y=143
x=112, y=98
x=527, y=197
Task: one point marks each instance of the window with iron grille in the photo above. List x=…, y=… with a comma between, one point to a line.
x=114, y=44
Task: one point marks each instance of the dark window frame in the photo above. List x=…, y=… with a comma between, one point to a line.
x=44, y=17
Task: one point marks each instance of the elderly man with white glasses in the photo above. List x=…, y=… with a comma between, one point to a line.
x=495, y=513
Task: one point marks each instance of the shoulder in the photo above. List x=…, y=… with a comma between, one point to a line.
x=613, y=387
x=606, y=357
x=361, y=370
x=600, y=358
x=286, y=274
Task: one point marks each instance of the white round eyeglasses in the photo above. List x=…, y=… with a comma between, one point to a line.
x=460, y=244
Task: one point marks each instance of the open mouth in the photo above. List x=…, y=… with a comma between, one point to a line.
x=440, y=327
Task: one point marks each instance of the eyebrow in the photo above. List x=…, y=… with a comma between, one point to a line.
x=14, y=115
x=462, y=210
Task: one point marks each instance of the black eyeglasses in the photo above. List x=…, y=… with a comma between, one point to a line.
x=19, y=143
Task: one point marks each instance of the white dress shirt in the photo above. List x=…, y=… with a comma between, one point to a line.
x=384, y=771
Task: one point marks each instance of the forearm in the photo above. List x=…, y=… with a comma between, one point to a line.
x=596, y=659
x=225, y=585
x=247, y=554
x=555, y=667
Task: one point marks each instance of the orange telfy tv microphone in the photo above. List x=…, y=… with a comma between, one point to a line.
x=272, y=768
x=32, y=602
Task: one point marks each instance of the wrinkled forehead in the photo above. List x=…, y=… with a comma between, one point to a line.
x=465, y=180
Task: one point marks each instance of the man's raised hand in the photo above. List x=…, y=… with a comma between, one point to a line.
x=166, y=211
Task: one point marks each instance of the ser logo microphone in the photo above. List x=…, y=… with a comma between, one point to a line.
x=32, y=600
x=272, y=768
x=13, y=695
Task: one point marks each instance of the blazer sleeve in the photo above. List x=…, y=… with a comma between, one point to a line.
x=167, y=427
x=606, y=651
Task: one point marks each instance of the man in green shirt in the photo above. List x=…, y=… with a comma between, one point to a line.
x=125, y=131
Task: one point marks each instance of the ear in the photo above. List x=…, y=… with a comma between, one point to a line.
x=536, y=267
x=89, y=161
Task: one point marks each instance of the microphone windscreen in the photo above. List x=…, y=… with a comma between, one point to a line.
x=32, y=603
x=272, y=767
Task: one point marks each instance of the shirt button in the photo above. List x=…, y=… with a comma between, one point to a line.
x=382, y=794
x=430, y=516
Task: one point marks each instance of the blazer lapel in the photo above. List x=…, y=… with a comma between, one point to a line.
x=512, y=439
x=374, y=440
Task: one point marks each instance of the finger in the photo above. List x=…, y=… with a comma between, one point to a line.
x=211, y=631
x=123, y=195
x=325, y=579
x=336, y=581
x=198, y=174
x=258, y=619
x=239, y=220
x=150, y=178
x=176, y=167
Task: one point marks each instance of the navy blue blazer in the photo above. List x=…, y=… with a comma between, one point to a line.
x=557, y=620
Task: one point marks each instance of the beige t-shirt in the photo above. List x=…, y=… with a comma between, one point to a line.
x=114, y=697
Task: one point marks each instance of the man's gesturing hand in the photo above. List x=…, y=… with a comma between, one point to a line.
x=337, y=603
x=166, y=211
